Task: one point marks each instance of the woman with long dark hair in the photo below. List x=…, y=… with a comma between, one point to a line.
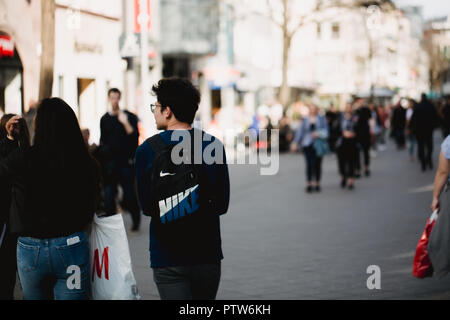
x=55, y=193
x=8, y=241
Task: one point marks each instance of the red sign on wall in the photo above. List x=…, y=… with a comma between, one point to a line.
x=6, y=47
x=138, y=16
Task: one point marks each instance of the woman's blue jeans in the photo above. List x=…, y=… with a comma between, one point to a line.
x=56, y=268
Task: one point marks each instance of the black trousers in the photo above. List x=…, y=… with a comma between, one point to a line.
x=425, y=149
x=8, y=264
x=364, y=148
x=313, y=164
x=197, y=282
x=346, y=158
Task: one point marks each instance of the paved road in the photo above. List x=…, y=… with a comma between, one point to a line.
x=281, y=243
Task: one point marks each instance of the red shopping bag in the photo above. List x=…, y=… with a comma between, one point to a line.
x=422, y=267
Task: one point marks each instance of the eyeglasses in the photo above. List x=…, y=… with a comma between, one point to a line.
x=153, y=107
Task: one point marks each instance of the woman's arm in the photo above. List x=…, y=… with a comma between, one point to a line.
x=299, y=133
x=440, y=180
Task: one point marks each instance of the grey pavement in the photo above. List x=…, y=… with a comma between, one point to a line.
x=281, y=243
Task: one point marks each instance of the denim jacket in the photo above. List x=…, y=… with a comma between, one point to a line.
x=304, y=134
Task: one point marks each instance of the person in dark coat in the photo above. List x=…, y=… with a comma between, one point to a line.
x=363, y=137
x=20, y=137
x=399, y=126
x=423, y=122
x=118, y=143
x=333, y=119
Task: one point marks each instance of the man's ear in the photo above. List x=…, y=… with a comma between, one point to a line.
x=168, y=112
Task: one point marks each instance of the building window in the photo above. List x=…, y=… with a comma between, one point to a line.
x=61, y=86
x=319, y=4
x=447, y=52
x=335, y=30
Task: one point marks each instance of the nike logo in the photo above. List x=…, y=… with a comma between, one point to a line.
x=163, y=174
x=179, y=205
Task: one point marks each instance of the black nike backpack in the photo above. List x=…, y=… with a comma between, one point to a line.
x=180, y=201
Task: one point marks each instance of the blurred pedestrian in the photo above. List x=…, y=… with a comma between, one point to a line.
x=423, y=122
x=442, y=174
x=409, y=132
x=384, y=117
x=398, y=125
x=19, y=137
x=312, y=137
x=333, y=119
x=346, y=147
x=185, y=242
x=118, y=142
x=375, y=126
x=446, y=117
x=286, y=134
x=86, y=137
x=439, y=242
x=55, y=194
x=363, y=137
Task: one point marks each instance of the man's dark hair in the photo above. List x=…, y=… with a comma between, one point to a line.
x=424, y=97
x=180, y=95
x=115, y=90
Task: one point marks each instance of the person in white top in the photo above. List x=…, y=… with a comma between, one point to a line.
x=442, y=175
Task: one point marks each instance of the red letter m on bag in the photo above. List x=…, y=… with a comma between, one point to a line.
x=97, y=267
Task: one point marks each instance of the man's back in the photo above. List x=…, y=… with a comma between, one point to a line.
x=424, y=118
x=217, y=173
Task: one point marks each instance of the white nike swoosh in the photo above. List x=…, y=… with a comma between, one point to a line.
x=163, y=174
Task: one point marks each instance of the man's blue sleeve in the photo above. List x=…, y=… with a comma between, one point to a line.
x=143, y=165
x=222, y=186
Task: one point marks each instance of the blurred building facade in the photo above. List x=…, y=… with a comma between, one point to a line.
x=340, y=54
x=86, y=64
x=19, y=54
x=437, y=38
x=87, y=60
x=229, y=49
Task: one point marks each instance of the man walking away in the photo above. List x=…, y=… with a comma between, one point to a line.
x=118, y=143
x=183, y=199
x=362, y=129
x=423, y=122
x=399, y=126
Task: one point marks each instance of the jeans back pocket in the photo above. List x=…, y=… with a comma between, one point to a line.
x=74, y=255
x=27, y=256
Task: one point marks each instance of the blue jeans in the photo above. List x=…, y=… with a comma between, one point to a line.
x=54, y=268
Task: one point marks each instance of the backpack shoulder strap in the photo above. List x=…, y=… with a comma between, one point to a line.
x=156, y=143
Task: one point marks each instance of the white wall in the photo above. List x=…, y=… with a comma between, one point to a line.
x=92, y=52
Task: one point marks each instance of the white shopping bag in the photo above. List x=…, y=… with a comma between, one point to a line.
x=112, y=275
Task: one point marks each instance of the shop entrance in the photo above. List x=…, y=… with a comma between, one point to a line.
x=86, y=104
x=11, y=77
